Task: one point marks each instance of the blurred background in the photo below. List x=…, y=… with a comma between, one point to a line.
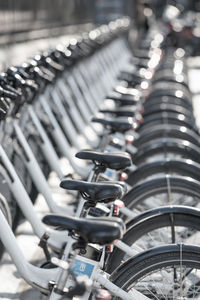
x=22, y=21
x=19, y=18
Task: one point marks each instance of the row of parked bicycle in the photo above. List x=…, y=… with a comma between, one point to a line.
x=128, y=232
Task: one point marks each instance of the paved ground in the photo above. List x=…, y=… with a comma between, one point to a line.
x=12, y=286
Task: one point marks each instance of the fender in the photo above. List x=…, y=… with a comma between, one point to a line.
x=181, y=147
x=162, y=89
x=164, y=210
x=147, y=221
x=149, y=253
x=167, y=99
x=167, y=108
x=183, y=166
x=177, y=183
x=170, y=130
x=180, y=119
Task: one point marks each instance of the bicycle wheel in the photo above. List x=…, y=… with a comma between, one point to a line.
x=180, y=167
x=171, y=131
x=169, y=88
x=157, y=227
x=164, y=107
x=167, y=118
x=166, y=148
x=170, y=272
x=166, y=190
x=167, y=75
x=167, y=99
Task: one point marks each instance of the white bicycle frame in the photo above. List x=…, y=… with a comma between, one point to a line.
x=96, y=274
x=37, y=277
x=56, y=239
x=41, y=278
x=60, y=139
x=46, y=145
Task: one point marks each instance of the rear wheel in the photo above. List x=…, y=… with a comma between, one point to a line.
x=171, y=167
x=166, y=190
x=158, y=227
x=168, y=272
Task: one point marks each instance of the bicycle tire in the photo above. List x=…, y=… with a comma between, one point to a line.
x=158, y=108
x=167, y=99
x=168, y=88
x=141, y=192
x=144, y=223
x=165, y=146
x=136, y=269
x=168, y=75
x=168, y=118
x=182, y=167
x=171, y=131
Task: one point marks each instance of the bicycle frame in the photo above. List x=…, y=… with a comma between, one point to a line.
x=24, y=201
x=56, y=238
x=46, y=146
x=60, y=139
x=41, y=278
x=37, y=277
x=83, y=266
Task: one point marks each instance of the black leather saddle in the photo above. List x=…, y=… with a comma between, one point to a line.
x=121, y=112
x=115, y=125
x=113, y=160
x=123, y=99
x=97, y=231
x=97, y=192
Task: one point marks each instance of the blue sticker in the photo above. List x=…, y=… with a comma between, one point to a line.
x=82, y=268
x=109, y=173
x=110, y=149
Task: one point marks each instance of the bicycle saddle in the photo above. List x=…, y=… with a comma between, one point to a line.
x=116, y=160
x=97, y=192
x=115, y=125
x=97, y=231
x=130, y=77
x=120, y=112
x=123, y=100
